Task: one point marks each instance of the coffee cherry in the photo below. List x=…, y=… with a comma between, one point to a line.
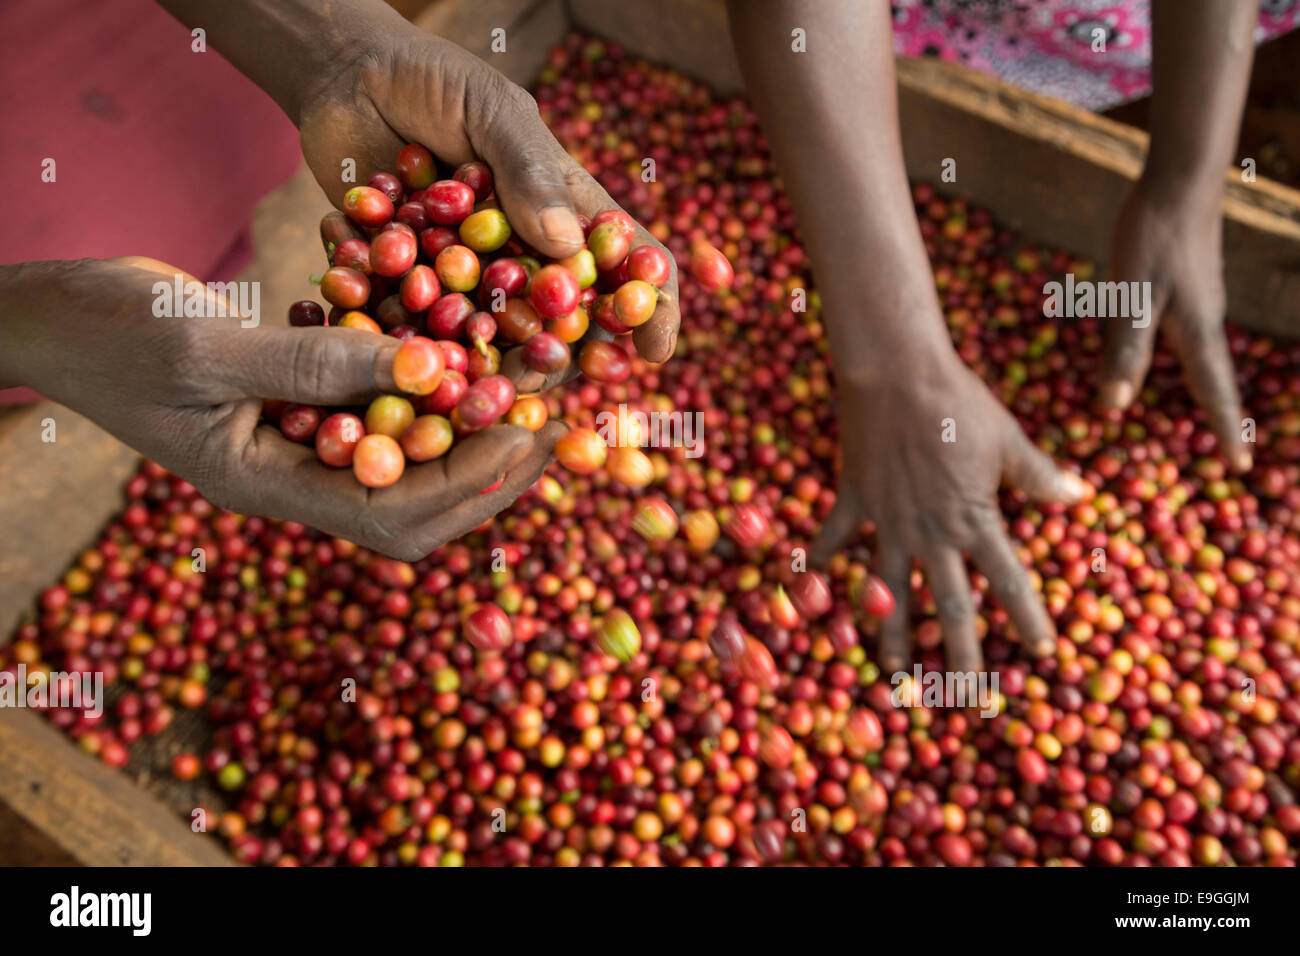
x=392, y=253
x=448, y=202
x=655, y=519
x=604, y=362
x=447, y=395
x=420, y=289
x=378, y=461
x=876, y=599
x=415, y=167
x=488, y=628
x=485, y=401
x=448, y=314
x=344, y=287
x=529, y=412
x=359, y=320
x=581, y=450
x=553, y=292
x=609, y=243
x=546, y=352
x=634, y=303
x=710, y=267
x=388, y=184
x=477, y=176
x=457, y=268
x=649, y=264
x=485, y=231
x=337, y=438
x=367, y=207
x=618, y=636
x=389, y=415
x=299, y=422
x=426, y=438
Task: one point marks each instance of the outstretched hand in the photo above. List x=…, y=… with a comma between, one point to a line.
x=923, y=459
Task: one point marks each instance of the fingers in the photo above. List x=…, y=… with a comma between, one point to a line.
x=275, y=476
x=951, y=588
x=997, y=559
x=1126, y=360
x=521, y=476
x=1203, y=349
x=527, y=380
x=839, y=526
x=335, y=227
x=532, y=183
x=313, y=366
x=656, y=339
x=1029, y=468
x=895, y=568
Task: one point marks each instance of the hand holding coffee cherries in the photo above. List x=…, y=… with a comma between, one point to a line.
x=187, y=392
x=436, y=263
x=413, y=87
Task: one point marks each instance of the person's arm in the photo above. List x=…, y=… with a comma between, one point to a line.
x=830, y=115
x=360, y=82
x=1170, y=230
x=187, y=392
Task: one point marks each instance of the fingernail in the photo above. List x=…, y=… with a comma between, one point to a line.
x=1116, y=394
x=560, y=225
x=1076, y=489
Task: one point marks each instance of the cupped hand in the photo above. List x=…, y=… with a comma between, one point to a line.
x=922, y=459
x=1177, y=246
x=409, y=86
x=187, y=392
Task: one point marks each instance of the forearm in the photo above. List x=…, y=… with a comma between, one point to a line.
x=830, y=115
x=1202, y=54
x=290, y=48
x=22, y=286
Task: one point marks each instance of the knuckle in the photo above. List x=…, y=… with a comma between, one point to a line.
x=186, y=349
x=309, y=367
x=981, y=519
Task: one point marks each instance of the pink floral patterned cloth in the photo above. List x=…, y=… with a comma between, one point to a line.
x=1047, y=46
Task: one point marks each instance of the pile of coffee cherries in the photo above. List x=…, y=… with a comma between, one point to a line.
x=608, y=674
x=434, y=263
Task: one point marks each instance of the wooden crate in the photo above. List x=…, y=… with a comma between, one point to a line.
x=1053, y=171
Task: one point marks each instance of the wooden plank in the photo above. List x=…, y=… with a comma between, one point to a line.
x=689, y=35
x=21, y=844
x=531, y=28
x=57, y=496
x=92, y=811
x=1059, y=174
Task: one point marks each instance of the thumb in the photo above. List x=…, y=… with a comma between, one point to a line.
x=310, y=366
x=531, y=173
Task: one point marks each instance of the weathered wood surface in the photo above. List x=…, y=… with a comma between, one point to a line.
x=97, y=814
x=55, y=498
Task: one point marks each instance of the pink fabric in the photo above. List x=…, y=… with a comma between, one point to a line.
x=1047, y=45
x=159, y=151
